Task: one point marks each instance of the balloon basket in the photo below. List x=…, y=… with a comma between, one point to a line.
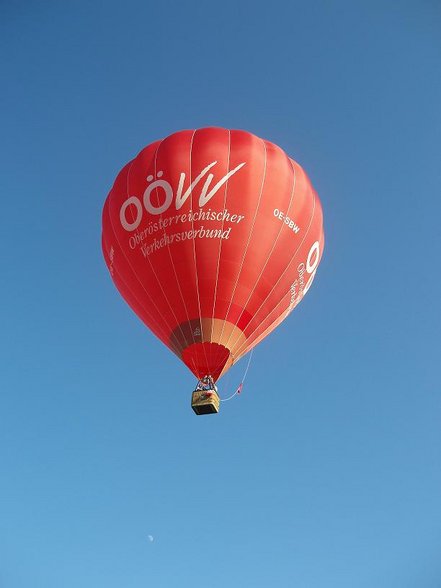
x=205, y=402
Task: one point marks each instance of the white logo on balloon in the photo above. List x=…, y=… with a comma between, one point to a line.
x=311, y=266
x=311, y=269
x=181, y=196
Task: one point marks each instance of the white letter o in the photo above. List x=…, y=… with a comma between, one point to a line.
x=314, y=249
x=122, y=213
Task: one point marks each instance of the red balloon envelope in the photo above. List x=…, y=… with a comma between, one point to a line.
x=212, y=237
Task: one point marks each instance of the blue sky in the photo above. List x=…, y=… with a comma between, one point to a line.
x=326, y=471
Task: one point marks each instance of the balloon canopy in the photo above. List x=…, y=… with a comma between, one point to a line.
x=212, y=236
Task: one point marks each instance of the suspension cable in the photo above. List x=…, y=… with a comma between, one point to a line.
x=239, y=388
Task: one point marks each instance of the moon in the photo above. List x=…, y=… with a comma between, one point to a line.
x=150, y=538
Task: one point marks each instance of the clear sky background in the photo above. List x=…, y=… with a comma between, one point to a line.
x=326, y=471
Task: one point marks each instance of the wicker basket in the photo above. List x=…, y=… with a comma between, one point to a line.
x=205, y=402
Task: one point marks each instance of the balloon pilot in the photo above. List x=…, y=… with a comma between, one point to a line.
x=205, y=398
x=207, y=383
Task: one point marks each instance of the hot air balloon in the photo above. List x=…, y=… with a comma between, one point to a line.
x=212, y=236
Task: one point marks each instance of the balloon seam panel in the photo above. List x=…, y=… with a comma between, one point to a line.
x=284, y=272
x=128, y=261
x=272, y=249
x=249, y=239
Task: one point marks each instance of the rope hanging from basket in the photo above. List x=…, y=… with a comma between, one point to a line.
x=239, y=388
